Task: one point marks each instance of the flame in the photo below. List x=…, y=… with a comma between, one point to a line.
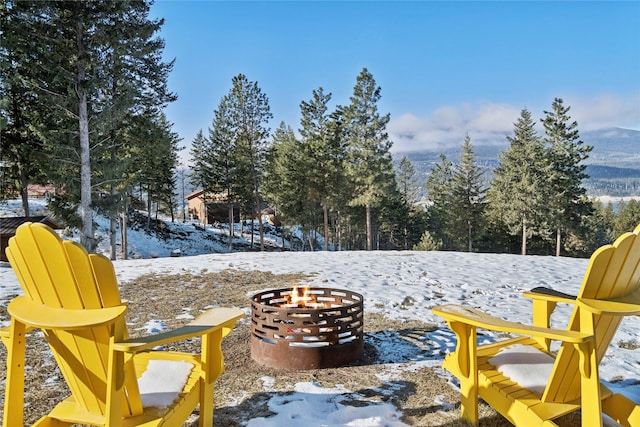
x=303, y=298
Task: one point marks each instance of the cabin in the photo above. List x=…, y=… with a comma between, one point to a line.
x=210, y=209
x=9, y=225
x=36, y=191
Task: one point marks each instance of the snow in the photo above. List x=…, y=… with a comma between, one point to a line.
x=162, y=381
x=524, y=365
x=400, y=285
x=315, y=406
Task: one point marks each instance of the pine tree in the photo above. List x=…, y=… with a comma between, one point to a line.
x=468, y=196
x=250, y=114
x=325, y=153
x=233, y=158
x=628, y=217
x=439, y=187
x=223, y=171
x=200, y=162
x=406, y=180
x=92, y=65
x=516, y=195
x=566, y=152
x=370, y=164
x=410, y=216
x=21, y=146
x=213, y=166
x=286, y=179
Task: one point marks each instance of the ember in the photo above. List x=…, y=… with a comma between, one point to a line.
x=308, y=329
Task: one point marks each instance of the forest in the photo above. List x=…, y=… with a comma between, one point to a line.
x=83, y=88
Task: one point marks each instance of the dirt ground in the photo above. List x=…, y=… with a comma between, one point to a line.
x=240, y=392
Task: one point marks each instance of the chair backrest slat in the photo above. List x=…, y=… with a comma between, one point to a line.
x=84, y=283
x=105, y=277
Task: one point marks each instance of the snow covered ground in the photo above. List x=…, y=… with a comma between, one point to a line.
x=400, y=285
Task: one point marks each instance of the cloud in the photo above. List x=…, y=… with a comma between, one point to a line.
x=447, y=126
x=604, y=111
x=489, y=123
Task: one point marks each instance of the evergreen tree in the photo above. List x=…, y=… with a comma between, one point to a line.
x=516, y=195
x=439, y=186
x=233, y=158
x=286, y=178
x=223, y=172
x=371, y=168
x=406, y=180
x=250, y=114
x=90, y=63
x=213, y=166
x=324, y=151
x=427, y=243
x=468, y=196
x=200, y=162
x=410, y=217
x=628, y=217
x=21, y=146
x=593, y=232
x=566, y=152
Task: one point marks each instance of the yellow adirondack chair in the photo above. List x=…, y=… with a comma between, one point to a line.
x=73, y=298
x=610, y=290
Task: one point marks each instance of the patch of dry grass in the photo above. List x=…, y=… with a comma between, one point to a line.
x=240, y=393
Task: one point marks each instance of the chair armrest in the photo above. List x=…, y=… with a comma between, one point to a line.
x=38, y=315
x=625, y=306
x=470, y=316
x=547, y=294
x=206, y=323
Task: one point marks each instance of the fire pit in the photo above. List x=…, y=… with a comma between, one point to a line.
x=309, y=329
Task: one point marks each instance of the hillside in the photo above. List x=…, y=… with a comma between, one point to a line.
x=613, y=165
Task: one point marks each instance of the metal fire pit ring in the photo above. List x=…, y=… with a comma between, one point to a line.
x=295, y=337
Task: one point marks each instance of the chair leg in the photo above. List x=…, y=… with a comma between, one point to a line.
x=213, y=366
x=467, y=370
x=206, y=405
x=14, y=388
x=591, y=405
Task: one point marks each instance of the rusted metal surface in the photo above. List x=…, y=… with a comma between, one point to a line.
x=326, y=335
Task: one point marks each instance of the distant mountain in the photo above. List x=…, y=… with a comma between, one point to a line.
x=613, y=165
x=614, y=147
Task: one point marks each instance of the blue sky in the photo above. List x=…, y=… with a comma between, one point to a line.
x=446, y=68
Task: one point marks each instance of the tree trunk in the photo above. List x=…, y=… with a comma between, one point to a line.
x=326, y=226
x=311, y=248
x=524, y=237
x=113, y=210
x=369, y=236
x=123, y=235
x=558, y=241
x=339, y=232
x=24, y=193
x=253, y=224
x=123, y=229
x=469, y=233
x=148, y=227
x=86, y=237
x=230, y=226
x=259, y=214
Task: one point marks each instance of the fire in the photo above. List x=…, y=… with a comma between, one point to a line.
x=302, y=298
